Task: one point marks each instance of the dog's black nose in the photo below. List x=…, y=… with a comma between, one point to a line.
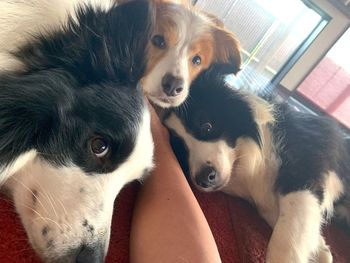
x=172, y=86
x=90, y=254
x=207, y=177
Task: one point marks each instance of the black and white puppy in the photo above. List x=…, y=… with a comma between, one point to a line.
x=293, y=167
x=74, y=126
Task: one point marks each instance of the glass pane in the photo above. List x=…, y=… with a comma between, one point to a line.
x=270, y=31
x=328, y=85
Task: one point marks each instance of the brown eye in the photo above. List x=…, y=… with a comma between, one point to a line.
x=99, y=147
x=158, y=41
x=206, y=128
x=196, y=60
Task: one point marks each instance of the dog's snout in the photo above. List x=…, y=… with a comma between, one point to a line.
x=172, y=86
x=207, y=177
x=90, y=254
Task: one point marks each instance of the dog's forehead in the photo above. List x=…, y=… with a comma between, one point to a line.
x=207, y=101
x=184, y=24
x=111, y=106
x=212, y=101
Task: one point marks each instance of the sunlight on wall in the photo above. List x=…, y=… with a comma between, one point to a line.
x=340, y=54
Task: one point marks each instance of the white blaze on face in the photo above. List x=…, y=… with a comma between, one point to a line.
x=62, y=208
x=217, y=154
x=175, y=62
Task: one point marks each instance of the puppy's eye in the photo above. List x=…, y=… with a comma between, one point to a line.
x=196, y=60
x=206, y=128
x=99, y=147
x=158, y=41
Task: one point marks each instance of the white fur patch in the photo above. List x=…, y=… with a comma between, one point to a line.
x=296, y=235
x=333, y=189
x=62, y=208
x=16, y=165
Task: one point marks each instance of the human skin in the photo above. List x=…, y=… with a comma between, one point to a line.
x=168, y=224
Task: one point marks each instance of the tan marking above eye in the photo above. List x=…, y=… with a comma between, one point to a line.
x=204, y=48
x=167, y=29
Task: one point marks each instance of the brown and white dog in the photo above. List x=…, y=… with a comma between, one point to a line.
x=186, y=41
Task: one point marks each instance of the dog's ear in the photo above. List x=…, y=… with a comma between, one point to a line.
x=99, y=45
x=214, y=19
x=227, y=50
x=26, y=113
x=121, y=39
x=129, y=30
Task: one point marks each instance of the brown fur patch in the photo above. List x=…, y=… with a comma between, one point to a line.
x=217, y=45
x=204, y=47
x=165, y=27
x=227, y=49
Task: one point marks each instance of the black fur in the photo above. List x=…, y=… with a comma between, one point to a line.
x=308, y=146
x=311, y=147
x=79, y=82
x=228, y=111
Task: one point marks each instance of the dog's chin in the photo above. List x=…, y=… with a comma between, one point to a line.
x=207, y=189
x=212, y=188
x=164, y=101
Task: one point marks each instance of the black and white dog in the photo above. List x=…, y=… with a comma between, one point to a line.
x=293, y=167
x=74, y=126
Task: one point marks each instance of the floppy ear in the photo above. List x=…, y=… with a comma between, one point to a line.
x=122, y=40
x=26, y=117
x=100, y=45
x=214, y=19
x=227, y=50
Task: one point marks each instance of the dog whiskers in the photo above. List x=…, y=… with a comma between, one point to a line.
x=51, y=200
x=27, y=188
x=63, y=207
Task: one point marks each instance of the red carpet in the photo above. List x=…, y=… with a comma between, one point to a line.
x=240, y=233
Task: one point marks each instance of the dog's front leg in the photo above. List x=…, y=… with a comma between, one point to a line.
x=296, y=235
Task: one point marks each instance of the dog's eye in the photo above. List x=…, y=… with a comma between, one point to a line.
x=196, y=60
x=99, y=147
x=159, y=41
x=206, y=128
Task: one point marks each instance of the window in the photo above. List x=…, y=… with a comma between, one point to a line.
x=270, y=31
